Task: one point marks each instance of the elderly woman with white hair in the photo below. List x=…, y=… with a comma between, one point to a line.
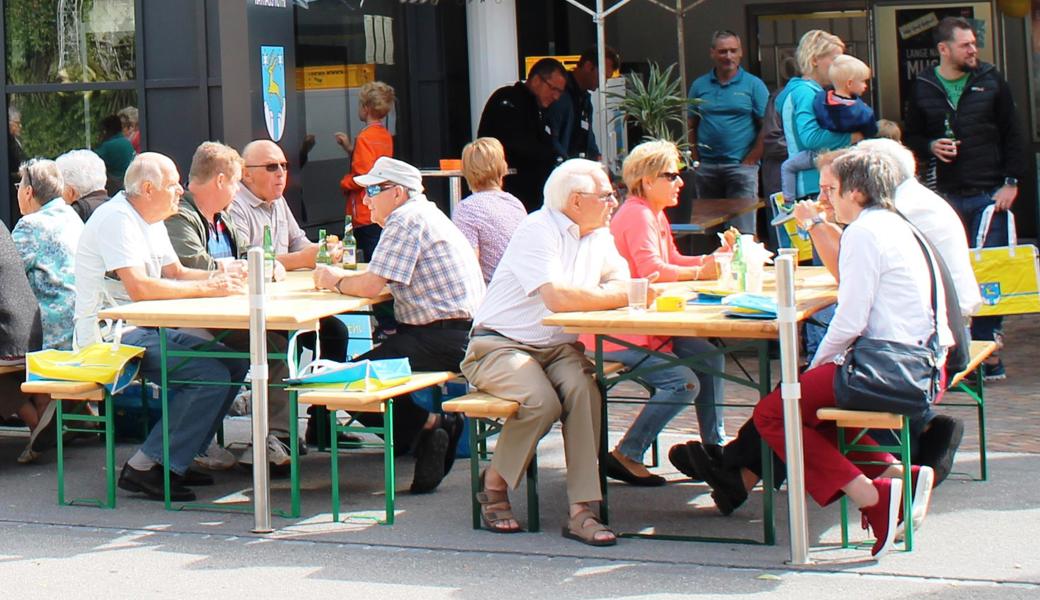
x=84, y=175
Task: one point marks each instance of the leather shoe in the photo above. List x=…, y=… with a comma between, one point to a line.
x=615, y=470
x=727, y=486
x=150, y=483
x=679, y=456
x=191, y=478
x=938, y=445
x=430, y=452
x=453, y=425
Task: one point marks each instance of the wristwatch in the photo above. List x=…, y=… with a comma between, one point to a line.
x=808, y=224
x=1011, y=181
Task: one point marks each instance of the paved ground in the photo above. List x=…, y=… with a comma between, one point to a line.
x=978, y=542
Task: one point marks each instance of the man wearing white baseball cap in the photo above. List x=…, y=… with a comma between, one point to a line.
x=437, y=285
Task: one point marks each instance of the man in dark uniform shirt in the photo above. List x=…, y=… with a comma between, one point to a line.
x=571, y=116
x=515, y=116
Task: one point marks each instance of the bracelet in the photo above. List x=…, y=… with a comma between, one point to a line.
x=337, y=288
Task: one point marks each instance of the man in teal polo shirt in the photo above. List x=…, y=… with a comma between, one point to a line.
x=726, y=127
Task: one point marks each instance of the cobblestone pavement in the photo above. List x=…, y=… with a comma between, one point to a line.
x=1012, y=405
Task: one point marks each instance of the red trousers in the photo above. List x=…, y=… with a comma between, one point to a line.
x=826, y=470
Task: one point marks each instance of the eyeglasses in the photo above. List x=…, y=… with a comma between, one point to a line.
x=610, y=196
x=669, y=176
x=558, y=90
x=271, y=167
x=378, y=188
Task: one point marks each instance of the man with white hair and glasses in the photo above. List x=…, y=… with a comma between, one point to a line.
x=84, y=175
x=561, y=258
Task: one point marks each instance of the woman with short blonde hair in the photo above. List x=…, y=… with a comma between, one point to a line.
x=489, y=216
x=817, y=46
x=484, y=164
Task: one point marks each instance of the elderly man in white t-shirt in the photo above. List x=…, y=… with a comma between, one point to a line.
x=561, y=258
x=125, y=255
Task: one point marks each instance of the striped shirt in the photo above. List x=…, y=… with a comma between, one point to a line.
x=431, y=269
x=546, y=248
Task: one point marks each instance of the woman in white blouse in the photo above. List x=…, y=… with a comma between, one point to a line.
x=884, y=292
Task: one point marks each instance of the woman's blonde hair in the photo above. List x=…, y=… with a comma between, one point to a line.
x=648, y=159
x=813, y=46
x=484, y=163
x=377, y=97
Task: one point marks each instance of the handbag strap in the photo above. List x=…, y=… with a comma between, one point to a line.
x=921, y=241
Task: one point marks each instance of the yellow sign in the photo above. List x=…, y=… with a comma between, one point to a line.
x=335, y=77
x=570, y=62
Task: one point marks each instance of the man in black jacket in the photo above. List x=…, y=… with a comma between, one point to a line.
x=962, y=114
x=515, y=115
x=571, y=116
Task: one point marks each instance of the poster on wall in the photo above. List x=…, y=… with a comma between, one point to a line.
x=916, y=49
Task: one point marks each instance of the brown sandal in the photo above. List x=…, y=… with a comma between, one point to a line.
x=580, y=529
x=495, y=509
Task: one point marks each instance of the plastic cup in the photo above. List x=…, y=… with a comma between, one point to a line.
x=231, y=266
x=753, y=281
x=637, y=294
x=725, y=262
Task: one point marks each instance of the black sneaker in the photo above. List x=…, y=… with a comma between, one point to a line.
x=191, y=478
x=430, y=452
x=727, y=486
x=680, y=457
x=150, y=483
x=938, y=445
x=993, y=372
x=452, y=424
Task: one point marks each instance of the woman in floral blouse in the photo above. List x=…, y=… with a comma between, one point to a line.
x=46, y=237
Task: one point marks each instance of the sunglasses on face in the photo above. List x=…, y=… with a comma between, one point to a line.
x=670, y=176
x=376, y=189
x=271, y=167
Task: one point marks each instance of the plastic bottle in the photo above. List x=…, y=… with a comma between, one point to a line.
x=269, y=257
x=323, y=257
x=739, y=265
x=349, y=244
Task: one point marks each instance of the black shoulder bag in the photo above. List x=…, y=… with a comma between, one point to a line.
x=887, y=376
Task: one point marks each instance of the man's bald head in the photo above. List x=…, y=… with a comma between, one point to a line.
x=266, y=170
x=153, y=186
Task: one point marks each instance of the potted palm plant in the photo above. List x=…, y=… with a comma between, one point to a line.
x=659, y=107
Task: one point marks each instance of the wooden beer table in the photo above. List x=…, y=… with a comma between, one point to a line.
x=712, y=212
x=815, y=289
x=291, y=305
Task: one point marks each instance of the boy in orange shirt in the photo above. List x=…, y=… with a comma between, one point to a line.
x=374, y=102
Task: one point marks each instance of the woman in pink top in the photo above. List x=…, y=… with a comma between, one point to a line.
x=644, y=237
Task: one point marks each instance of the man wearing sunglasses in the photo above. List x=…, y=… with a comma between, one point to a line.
x=515, y=115
x=437, y=284
x=259, y=203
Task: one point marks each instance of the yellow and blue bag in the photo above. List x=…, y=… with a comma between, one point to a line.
x=360, y=376
x=1008, y=276
x=114, y=366
x=788, y=232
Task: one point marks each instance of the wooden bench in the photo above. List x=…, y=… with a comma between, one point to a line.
x=863, y=421
x=974, y=389
x=75, y=391
x=4, y=370
x=489, y=414
x=376, y=401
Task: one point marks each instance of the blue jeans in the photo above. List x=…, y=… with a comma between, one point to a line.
x=195, y=411
x=719, y=180
x=674, y=387
x=969, y=209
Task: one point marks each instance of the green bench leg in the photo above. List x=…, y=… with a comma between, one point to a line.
x=110, y=449
x=475, y=445
x=108, y=418
x=60, y=415
x=333, y=461
x=388, y=462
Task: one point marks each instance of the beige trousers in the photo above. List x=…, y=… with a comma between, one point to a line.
x=549, y=384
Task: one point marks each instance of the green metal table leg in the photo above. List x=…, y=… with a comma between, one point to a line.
x=60, y=415
x=604, y=510
x=980, y=399
x=294, y=455
x=334, y=461
x=908, y=527
x=534, y=521
x=474, y=469
x=389, y=475
x=110, y=449
x=164, y=385
x=844, y=501
x=764, y=387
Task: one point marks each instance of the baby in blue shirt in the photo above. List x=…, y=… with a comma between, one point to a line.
x=840, y=110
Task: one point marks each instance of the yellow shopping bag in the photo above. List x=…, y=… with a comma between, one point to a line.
x=789, y=229
x=113, y=366
x=1008, y=276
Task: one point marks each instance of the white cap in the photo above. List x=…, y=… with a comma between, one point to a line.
x=392, y=170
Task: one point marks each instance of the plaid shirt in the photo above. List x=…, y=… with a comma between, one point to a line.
x=432, y=270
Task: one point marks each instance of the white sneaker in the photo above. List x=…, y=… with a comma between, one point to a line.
x=216, y=458
x=277, y=453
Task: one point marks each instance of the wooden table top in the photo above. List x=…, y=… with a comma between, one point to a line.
x=291, y=305
x=815, y=289
x=711, y=212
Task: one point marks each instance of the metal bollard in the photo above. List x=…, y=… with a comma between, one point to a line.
x=790, y=391
x=258, y=379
